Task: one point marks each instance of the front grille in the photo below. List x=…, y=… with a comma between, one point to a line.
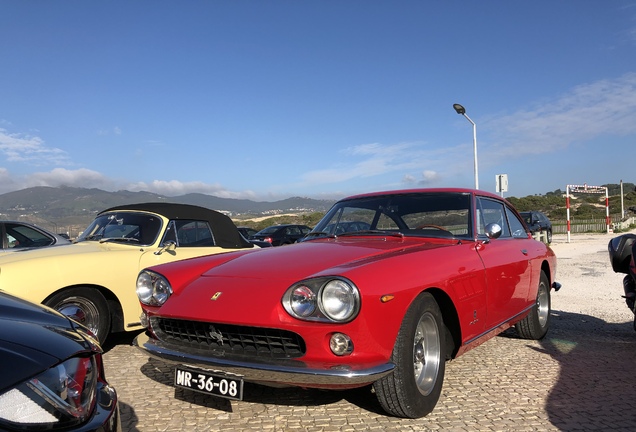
x=231, y=339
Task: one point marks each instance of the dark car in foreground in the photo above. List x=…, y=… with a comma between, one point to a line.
x=16, y=236
x=279, y=235
x=51, y=374
x=538, y=223
x=429, y=275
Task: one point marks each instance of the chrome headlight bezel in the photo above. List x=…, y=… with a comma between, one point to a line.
x=152, y=288
x=60, y=397
x=333, y=299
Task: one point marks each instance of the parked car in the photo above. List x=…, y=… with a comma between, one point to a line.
x=279, y=235
x=538, y=222
x=247, y=232
x=432, y=274
x=16, y=236
x=93, y=279
x=52, y=375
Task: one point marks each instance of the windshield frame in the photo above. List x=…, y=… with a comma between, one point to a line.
x=436, y=214
x=149, y=227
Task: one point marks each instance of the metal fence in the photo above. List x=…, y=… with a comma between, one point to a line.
x=590, y=225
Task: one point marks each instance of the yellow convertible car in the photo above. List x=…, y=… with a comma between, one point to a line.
x=93, y=279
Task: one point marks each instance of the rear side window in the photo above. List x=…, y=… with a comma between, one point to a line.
x=190, y=233
x=516, y=226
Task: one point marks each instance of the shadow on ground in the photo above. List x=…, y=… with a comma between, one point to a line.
x=596, y=387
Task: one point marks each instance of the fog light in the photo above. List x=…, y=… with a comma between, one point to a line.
x=340, y=344
x=144, y=319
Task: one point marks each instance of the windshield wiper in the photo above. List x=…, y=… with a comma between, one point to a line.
x=318, y=234
x=372, y=232
x=124, y=239
x=92, y=237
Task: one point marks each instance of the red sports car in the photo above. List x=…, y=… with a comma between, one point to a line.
x=413, y=279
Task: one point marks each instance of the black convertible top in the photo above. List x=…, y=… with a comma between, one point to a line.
x=226, y=235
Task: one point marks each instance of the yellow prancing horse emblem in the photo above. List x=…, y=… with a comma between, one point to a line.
x=216, y=296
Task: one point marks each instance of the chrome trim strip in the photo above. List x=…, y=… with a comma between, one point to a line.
x=504, y=324
x=294, y=374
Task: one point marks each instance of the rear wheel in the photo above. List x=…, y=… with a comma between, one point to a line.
x=415, y=385
x=85, y=305
x=536, y=324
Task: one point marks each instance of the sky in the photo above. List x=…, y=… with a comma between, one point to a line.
x=265, y=100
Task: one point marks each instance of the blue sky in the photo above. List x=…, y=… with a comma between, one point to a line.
x=270, y=99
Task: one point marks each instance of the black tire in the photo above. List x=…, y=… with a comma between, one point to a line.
x=414, y=387
x=536, y=324
x=86, y=306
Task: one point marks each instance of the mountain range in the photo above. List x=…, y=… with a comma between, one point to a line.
x=62, y=206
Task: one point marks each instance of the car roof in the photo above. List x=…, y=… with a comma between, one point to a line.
x=225, y=232
x=424, y=190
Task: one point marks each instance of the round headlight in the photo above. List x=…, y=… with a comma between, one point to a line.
x=303, y=301
x=161, y=290
x=340, y=300
x=144, y=287
x=152, y=288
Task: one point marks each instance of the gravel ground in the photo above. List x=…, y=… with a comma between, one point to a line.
x=590, y=286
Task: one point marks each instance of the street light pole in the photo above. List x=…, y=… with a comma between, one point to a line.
x=461, y=110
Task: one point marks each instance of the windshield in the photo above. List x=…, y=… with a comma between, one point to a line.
x=268, y=230
x=414, y=214
x=126, y=227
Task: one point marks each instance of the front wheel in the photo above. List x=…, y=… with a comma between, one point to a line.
x=536, y=324
x=86, y=306
x=414, y=387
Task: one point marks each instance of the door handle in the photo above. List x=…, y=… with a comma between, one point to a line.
x=524, y=251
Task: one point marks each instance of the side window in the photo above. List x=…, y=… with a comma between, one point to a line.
x=491, y=211
x=193, y=233
x=516, y=226
x=171, y=233
x=23, y=236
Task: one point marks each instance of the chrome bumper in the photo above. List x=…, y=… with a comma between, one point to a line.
x=278, y=372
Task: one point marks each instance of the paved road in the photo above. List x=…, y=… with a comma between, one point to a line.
x=580, y=377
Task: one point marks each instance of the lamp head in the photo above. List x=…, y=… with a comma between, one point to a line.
x=460, y=109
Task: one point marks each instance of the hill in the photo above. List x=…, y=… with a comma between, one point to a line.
x=58, y=208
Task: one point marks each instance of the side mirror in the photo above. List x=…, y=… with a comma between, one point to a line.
x=168, y=246
x=493, y=230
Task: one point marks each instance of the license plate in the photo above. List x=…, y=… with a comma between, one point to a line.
x=215, y=383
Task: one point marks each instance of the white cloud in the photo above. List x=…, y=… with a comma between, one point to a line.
x=371, y=160
x=116, y=130
x=604, y=107
x=83, y=178
x=30, y=149
x=175, y=187
x=429, y=176
x=86, y=178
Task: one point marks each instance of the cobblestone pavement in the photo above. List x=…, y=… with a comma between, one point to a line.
x=580, y=377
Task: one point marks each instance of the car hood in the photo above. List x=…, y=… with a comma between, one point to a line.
x=313, y=258
x=263, y=276
x=59, y=251
x=34, y=338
